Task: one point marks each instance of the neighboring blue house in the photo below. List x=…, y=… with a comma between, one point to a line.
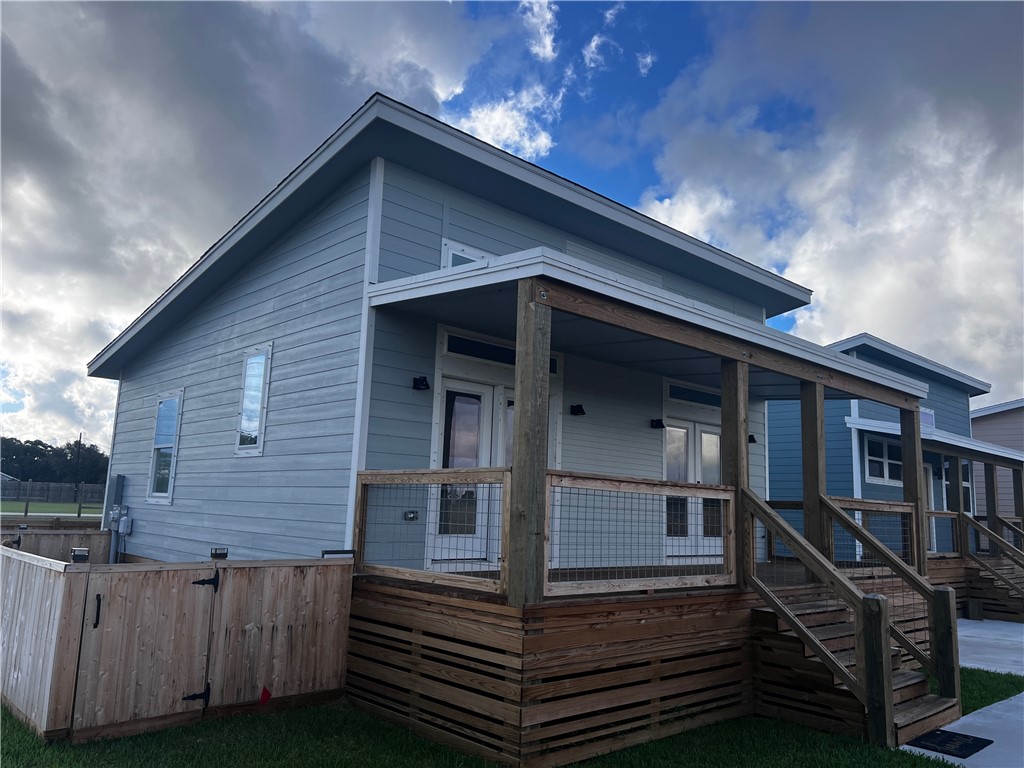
x=863, y=452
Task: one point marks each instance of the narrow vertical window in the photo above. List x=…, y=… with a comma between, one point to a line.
x=253, y=409
x=165, y=447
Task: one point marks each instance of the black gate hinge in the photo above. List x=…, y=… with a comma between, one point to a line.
x=203, y=695
x=213, y=581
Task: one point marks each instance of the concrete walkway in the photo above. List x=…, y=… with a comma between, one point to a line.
x=997, y=646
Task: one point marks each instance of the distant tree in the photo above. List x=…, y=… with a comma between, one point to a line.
x=45, y=463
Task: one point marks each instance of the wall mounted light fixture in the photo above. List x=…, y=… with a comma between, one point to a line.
x=218, y=553
x=577, y=410
x=420, y=382
x=657, y=424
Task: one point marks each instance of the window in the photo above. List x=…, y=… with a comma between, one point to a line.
x=165, y=447
x=884, y=460
x=927, y=417
x=253, y=408
x=456, y=254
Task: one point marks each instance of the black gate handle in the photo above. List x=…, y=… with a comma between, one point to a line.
x=96, y=621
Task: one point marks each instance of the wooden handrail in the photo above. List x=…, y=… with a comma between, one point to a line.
x=560, y=479
x=1007, y=548
x=431, y=476
x=882, y=552
x=818, y=564
x=995, y=574
x=869, y=505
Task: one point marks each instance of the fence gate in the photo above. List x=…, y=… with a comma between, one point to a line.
x=144, y=652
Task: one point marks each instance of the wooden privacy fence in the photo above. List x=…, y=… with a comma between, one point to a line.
x=57, y=544
x=91, y=651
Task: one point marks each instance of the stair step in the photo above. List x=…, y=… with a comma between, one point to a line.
x=923, y=714
x=908, y=684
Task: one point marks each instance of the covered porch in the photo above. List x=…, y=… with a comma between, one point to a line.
x=592, y=604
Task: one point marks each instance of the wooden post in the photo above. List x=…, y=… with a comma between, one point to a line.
x=527, y=568
x=735, y=457
x=28, y=495
x=945, y=642
x=913, y=463
x=812, y=441
x=955, y=503
x=992, y=507
x=1018, y=503
x=874, y=669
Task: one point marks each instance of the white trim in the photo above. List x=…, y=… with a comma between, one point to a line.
x=939, y=436
x=886, y=443
x=988, y=410
x=105, y=524
x=547, y=262
x=256, y=449
x=858, y=490
x=449, y=248
x=165, y=498
x=361, y=422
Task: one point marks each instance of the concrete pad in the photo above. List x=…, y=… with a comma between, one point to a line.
x=997, y=646
x=994, y=645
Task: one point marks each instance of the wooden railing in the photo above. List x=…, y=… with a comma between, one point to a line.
x=1005, y=550
x=939, y=603
x=400, y=526
x=614, y=534
x=871, y=680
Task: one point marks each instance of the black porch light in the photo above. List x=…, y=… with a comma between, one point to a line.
x=751, y=439
x=218, y=553
x=420, y=383
x=657, y=424
x=577, y=410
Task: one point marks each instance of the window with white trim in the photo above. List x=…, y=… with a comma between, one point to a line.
x=252, y=411
x=927, y=417
x=883, y=460
x=455, y=254
x=165, y=447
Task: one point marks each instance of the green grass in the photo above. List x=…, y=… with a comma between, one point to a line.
x=337, y=736
x=979, y=688
x=69, y=509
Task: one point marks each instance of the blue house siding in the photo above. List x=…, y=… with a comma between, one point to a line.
x=303, y=294
x=419, y=212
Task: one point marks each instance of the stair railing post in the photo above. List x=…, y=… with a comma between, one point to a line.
x=874, y=661
x=945, y=642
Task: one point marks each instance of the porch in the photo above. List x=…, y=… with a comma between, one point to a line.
x=539, y=613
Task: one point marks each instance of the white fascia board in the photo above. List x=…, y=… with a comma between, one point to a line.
x=938, y=436
x=988, y=410
x=868, y=340
x=547, y=262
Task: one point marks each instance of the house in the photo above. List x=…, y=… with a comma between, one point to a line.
x=1002, y=424
x=538, y=417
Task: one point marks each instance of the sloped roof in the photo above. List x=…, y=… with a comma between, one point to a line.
x=383, y=127
x=988, y=410
x=886, y=352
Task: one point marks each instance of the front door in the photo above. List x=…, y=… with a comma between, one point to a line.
x=465, y=516
x=693, y=526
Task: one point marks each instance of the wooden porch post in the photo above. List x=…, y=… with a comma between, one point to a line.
x=955, y=502
x=735, y=456
x=812, y=442
x=913, y=460
x=992, y=506
x=1018, y=499
x=526, y=561
x=913, y=464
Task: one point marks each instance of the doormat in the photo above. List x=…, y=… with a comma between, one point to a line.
x=950, y=743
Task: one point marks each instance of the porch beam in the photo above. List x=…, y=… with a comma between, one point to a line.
x=812, y=443
x=525, y=549
x=577, y=301
x=736, y=458
x=981, y=457
x=913, y=493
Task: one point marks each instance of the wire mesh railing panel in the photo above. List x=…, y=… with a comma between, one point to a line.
x=894, y=530
x=619, y=534
x=444, y=527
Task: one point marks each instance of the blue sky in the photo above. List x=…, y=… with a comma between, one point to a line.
x=873, y=152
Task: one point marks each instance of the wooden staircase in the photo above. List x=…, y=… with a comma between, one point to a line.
x=792, y=683
x=996, y=592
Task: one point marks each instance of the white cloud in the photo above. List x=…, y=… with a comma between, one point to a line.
x=515, y=123
x=612, y=13
x=889, y=184
x=644, y=62
x=539, y=17
x=592, y=57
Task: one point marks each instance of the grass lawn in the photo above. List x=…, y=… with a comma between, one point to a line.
x=337, y=735
x=53, y=508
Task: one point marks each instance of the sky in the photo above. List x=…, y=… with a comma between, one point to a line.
x=873, y=152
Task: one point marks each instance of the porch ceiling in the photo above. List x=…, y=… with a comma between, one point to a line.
x=491, y=310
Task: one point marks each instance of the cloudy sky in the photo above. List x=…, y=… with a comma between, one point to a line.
x=872, y=152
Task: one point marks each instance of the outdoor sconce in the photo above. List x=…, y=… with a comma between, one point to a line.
x=420, y=383
x=751, y=439
x=657, y=424
x=218, y=553
x=577, y=410
x=79, y=554
x=410, y=515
